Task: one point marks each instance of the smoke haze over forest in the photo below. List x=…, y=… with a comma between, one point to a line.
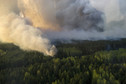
x=33, y=24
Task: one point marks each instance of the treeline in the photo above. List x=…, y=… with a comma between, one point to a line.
x=72, y=64
x=79, y=48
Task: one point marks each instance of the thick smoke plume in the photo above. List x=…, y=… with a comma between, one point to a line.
x=18, y=30
x=32, y=24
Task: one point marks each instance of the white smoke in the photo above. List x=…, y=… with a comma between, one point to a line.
x=31, y=24
x=17, y=30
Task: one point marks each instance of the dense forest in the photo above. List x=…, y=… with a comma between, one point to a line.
x=77, y=62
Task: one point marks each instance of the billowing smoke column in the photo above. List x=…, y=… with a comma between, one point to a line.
x=31, y=24
x=18, y=30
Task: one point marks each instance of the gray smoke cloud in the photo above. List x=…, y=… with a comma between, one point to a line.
x=33, y=24
x=113, y=23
